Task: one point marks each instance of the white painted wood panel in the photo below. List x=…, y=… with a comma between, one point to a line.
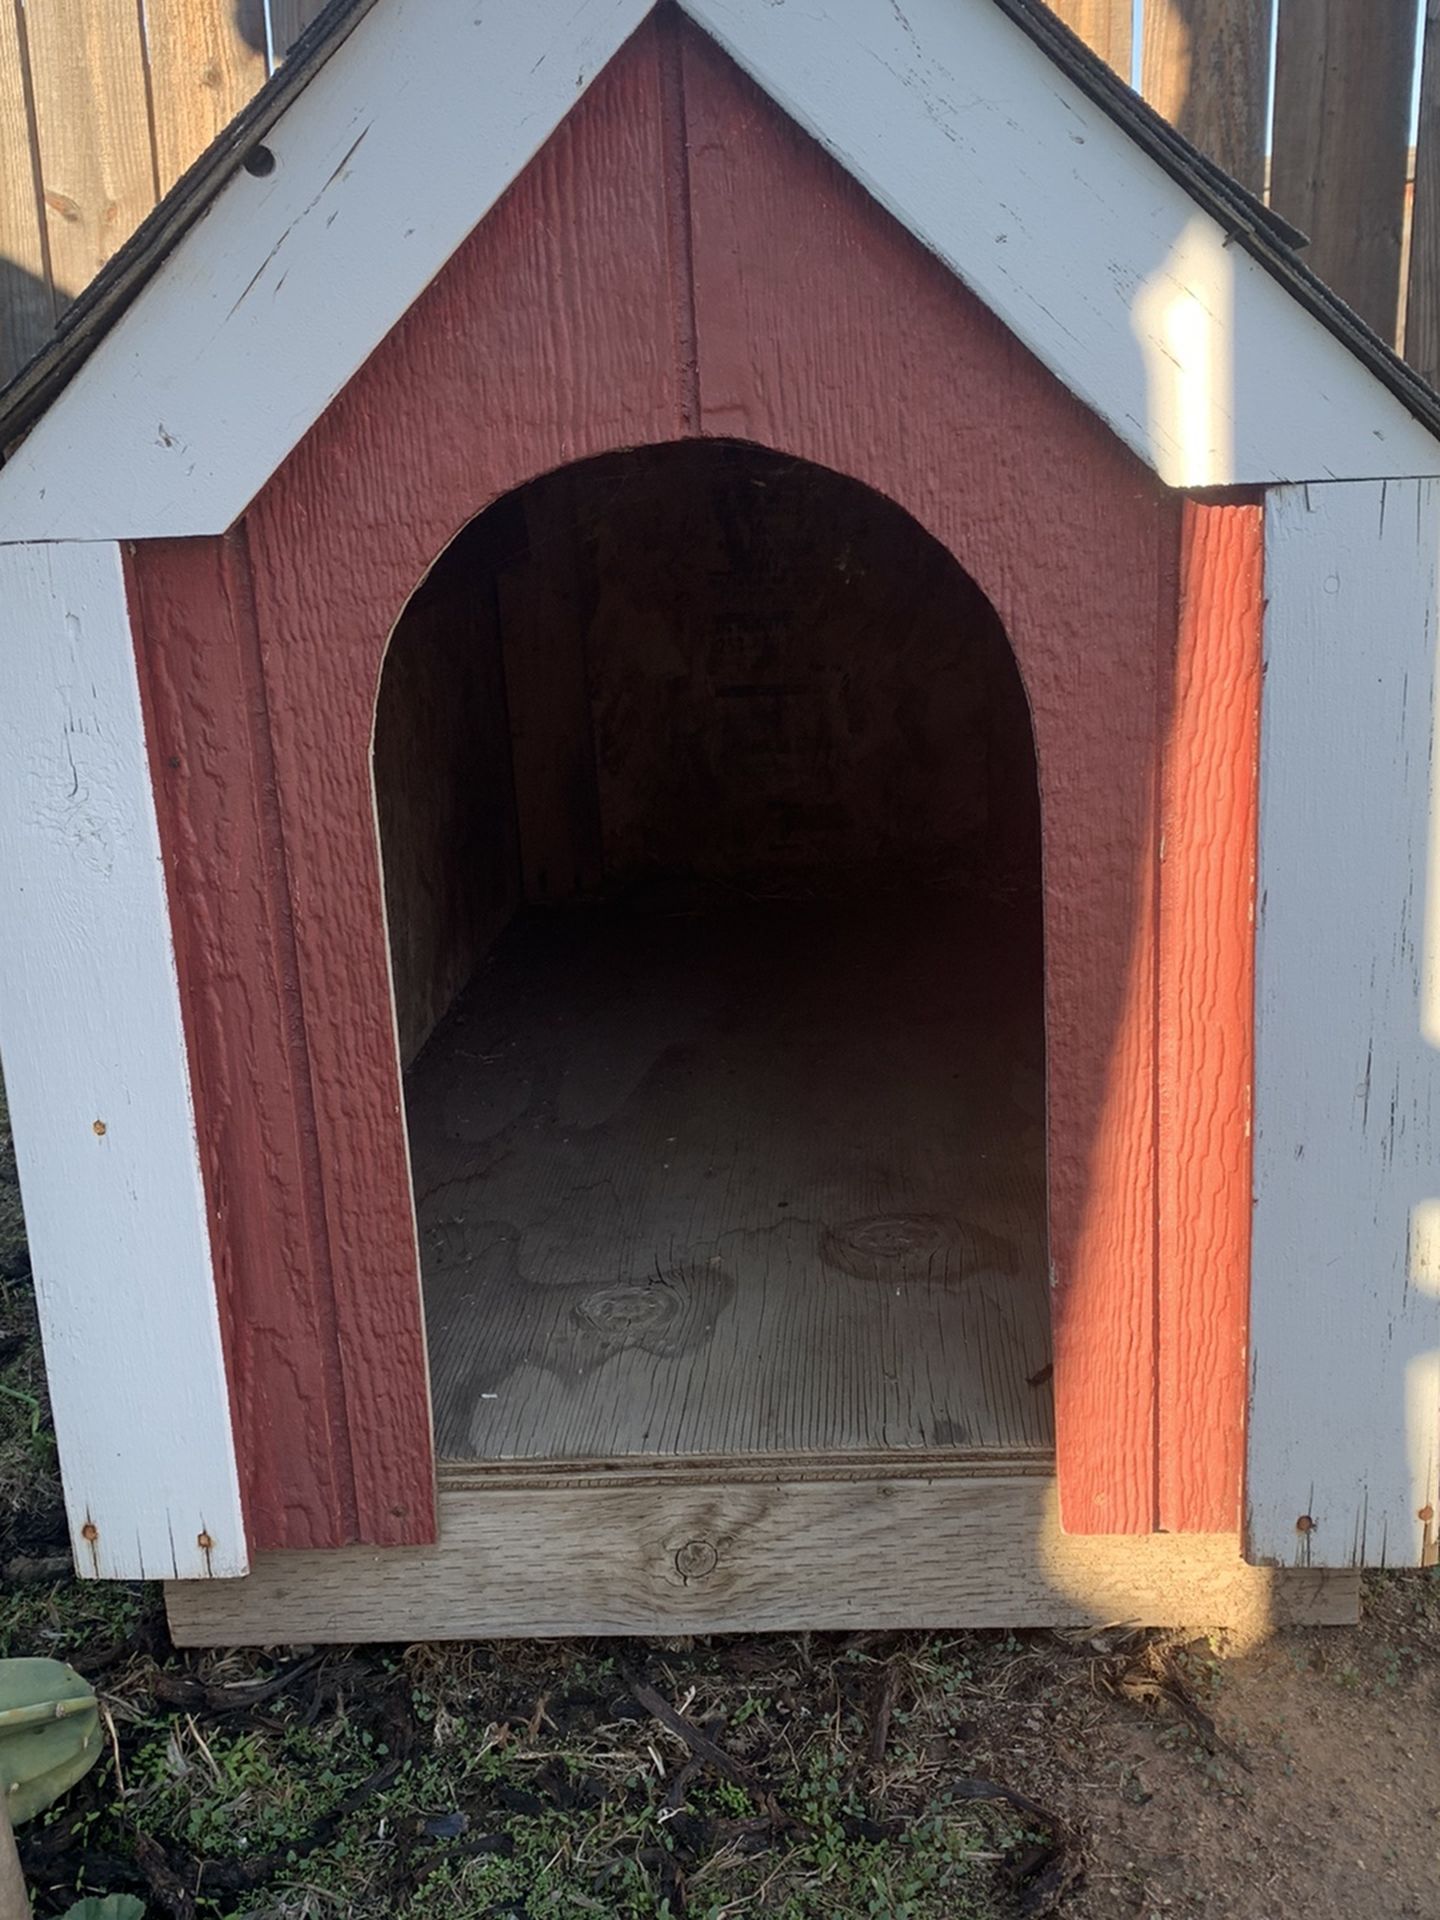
x=388, y=159
x=99, y=1089
x=1095, y=257
x=1345, y=1366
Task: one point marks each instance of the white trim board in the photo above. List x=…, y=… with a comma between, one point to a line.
x=1100, y=262
x=396, y=150
x=99, y=1090
x=944, y=110
x=1345, y=1288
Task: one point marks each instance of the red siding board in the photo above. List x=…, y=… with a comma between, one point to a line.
x=1206, y=1032
x=681, y=258
x=550, y=336
x=215, y=794
x=851, y=346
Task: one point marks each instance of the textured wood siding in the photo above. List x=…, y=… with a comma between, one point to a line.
x=1206, y=1053
x=214, y=781
x=568, y=326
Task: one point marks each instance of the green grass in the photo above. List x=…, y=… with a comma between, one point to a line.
x=519, y=1780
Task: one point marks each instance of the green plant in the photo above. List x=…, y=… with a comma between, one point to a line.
x=49, y=1738
x=49, y=1733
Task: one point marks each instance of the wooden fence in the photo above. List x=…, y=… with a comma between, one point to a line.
x=103, y=103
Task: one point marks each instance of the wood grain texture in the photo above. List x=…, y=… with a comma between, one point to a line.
x=755, y=631
x=27, y=304
x=444, y=794
x=206, y=59
x=1422, y=304
x=1206, y=1055
x=225, y=867
x=1343, y=73
x=1345, y=1291
x=1206, y=67
x=92, y=121
x=1000, y=465
x=759, y=1180
x=842, y=1555
x=98, y=1083
x=549, y=337
x=1105, y=25
x=552, y=746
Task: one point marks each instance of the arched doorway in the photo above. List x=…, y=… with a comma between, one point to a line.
x=710, y=826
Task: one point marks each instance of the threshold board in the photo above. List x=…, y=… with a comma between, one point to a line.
x=664, y=1558
x=764, y=1180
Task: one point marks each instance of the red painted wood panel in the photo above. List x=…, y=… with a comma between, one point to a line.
x=851, y=346
x=551, y=335
x=631, y=288
x=206, y=721
x=1207, y=976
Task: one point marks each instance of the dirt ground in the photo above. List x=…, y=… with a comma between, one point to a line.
x=906, y=1777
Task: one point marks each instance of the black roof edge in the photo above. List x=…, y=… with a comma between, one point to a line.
x=1268, y=238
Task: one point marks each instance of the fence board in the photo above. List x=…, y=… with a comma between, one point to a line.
x=27, y=308
x=1104, y=25
x=1343, y=70
x=1422, y=309
x=206, y=59
x=288, y=20
x=92, y=118
x=1206, y=67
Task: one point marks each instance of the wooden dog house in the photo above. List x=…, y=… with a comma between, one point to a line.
x=632, y=697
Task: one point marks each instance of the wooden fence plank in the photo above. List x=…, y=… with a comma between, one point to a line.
x=206, y=59
x=1343, y=70
x=1422, y=311
x=1104, y=25
x=27, y=307
x=1206, y=67
x=92, y=118
x=288, y=20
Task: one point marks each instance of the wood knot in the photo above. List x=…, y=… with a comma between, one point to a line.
x=1305, y=1524
x=100, y=1129
x=696, y=1559
x=90, y=1531
x=204, y=1542
x=1427, y=1514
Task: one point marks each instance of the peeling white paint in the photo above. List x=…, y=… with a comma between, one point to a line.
x=1345, y=1294
x=99, y=1090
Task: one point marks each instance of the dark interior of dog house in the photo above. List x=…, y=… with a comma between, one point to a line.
x=711, y=836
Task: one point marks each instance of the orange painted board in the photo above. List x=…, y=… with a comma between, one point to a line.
x=1206, y=1028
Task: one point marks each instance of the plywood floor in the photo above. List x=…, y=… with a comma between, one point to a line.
x=770, y=1180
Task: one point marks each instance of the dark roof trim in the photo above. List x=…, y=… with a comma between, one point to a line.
x=1263, y=234
x=1269, y=239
